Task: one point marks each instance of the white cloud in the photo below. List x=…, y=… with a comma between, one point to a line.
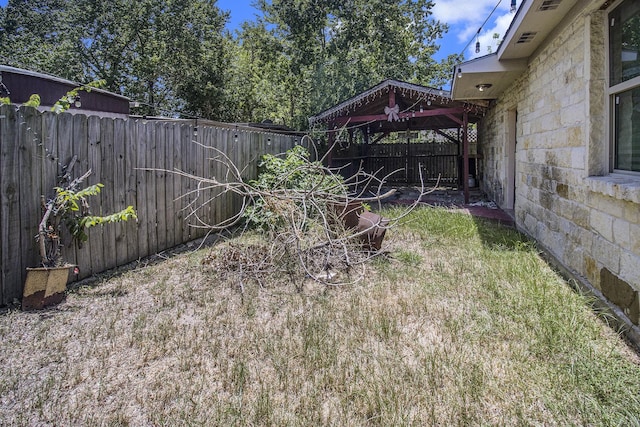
x=465, y=17
x=463, y=11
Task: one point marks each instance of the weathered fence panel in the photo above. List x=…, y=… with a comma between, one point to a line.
x=10, y=217
x=403, y=163
x=35, y=147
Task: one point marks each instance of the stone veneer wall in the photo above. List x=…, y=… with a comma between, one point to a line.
x=588, y=220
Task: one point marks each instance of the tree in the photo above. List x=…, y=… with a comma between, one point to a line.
x=331, y=50
x=254, y=75
x=167, y=53
x=300, y=58
x=35, y=34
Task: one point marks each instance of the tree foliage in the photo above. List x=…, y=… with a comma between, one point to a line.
x=329, y=50
x=295, y=171
x=35, y=34
x=167, y=53
x=298, y=58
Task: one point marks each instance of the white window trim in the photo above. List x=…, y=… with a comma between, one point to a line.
x=611, y=93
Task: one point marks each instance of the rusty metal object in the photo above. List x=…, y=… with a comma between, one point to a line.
x=349, y=212
x=373, y=228
x=370, y=227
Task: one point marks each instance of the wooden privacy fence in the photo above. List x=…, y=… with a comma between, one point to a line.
x=35, y=146
x=408, y=159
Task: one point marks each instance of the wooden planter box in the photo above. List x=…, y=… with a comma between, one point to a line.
x=44, y=287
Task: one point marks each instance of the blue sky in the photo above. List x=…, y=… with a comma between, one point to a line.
x=463, y=16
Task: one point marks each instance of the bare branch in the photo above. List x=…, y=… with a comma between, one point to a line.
x=320, y=233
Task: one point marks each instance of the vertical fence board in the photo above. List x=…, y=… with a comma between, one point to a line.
x=169, y=205
x=30, y=155
x=201, y=205
x=131, y=146
x=209, y=167
x=89, y=253
x=160, y=190
x=108, y=204
x=50, y=162
x=141, y=187
x=65, y=154
x=195, y=157
x=176, y=153
x=50, y=146
x=119, y=189
x=150, y=175
x=206, y=193
x=236, y=149
x=214, y=172
x=89, y=152
x=227, y=209
x=245, y=159
x=187, y=165
x=3, y=126
x=10, y=208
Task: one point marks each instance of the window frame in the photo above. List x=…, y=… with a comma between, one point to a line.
x=613, y=91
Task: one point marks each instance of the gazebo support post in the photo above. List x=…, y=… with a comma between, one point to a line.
x=465, y=156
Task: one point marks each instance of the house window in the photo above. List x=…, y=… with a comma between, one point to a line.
x=624, y=84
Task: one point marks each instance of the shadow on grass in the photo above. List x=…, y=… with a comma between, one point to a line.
x=498, y=236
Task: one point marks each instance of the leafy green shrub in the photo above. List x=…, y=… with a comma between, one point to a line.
x=71, y=208
x=292, y=175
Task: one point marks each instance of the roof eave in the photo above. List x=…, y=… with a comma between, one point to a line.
x=486, y=70
x=324, y=115
x=531, y=27
x=72, y=84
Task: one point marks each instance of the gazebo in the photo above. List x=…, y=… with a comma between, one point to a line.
x=357, y=127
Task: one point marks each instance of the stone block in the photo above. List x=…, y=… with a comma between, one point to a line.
x=554, y=241
x=578, y=194
x=606, y=204
x=562, y=190
x=564, y=208
x=530, y=224
x=547, y=200
x=606, y=253
x=621, y=233
x=634, y=239
x=602, y=224
x=578, y=156
x=559, y=174
x=552, y=220
x=621, y=294
x=586, y=239
x=580, y=215
x=574, y=257
x=565, y=159
x=571, y=115
x=630, y=268
x=592, y=271
x=551, y=157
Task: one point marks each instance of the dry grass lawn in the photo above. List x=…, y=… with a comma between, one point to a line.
x=461, y=324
